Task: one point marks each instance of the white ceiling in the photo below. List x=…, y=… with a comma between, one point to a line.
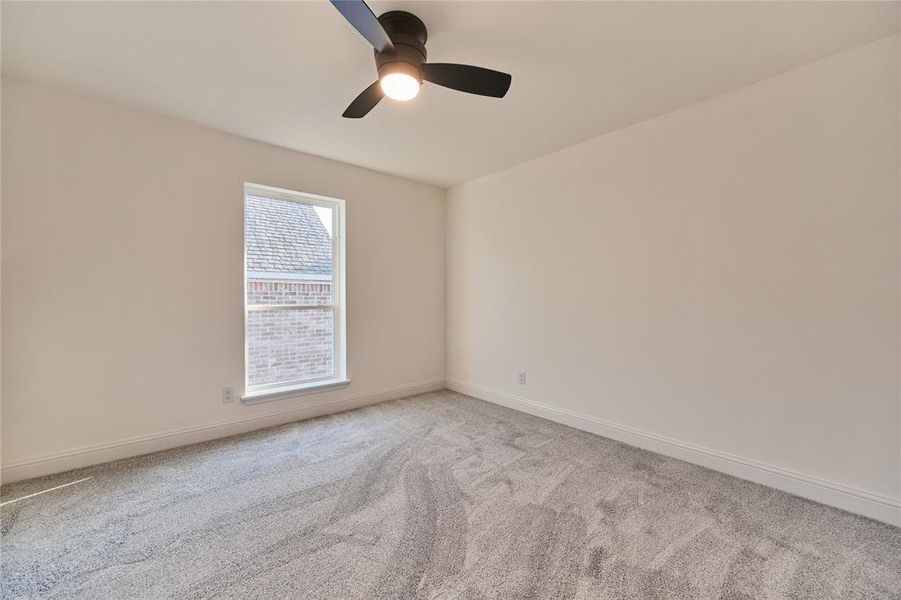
x=283, y=72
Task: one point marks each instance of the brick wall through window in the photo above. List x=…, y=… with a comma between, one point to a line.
x=289, y=345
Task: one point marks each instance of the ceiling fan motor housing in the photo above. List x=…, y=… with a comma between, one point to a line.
x=408, y=34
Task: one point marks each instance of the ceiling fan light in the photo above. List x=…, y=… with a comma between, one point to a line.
x=400, y=86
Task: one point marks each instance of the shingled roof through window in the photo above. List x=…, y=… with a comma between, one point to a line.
x=285, y=237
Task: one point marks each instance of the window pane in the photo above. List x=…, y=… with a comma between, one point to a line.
x=289, y=252
x=289, y=345
x=291, y=321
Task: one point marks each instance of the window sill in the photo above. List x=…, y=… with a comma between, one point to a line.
x=284, y=393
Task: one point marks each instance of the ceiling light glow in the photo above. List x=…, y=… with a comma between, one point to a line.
x=400, y=86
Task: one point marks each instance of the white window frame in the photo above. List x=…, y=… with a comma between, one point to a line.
x=273, y=391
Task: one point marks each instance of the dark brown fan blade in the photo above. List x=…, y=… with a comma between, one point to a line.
x=365, y=102
x=466, y=78
x=364, y=20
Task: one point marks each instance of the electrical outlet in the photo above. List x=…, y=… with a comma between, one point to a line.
x=522, y=378
x=228, y=395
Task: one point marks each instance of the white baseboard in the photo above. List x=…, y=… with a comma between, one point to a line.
x=145, y=444
x=862, y=502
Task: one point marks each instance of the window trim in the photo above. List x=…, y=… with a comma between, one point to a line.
x=280, y=390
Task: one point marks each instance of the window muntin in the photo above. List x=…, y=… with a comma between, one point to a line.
x=294, y=317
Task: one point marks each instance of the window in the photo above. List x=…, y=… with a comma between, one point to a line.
x=293, y=292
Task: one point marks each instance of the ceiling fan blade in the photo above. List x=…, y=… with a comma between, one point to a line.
x=364, y=20
x=466, y=78
x=365, y=102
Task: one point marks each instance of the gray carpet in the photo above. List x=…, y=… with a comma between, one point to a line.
x=436, y=496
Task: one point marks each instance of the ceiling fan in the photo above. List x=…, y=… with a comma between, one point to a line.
x=399, y=40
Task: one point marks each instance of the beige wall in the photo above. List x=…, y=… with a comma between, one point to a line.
x=722, y=279
x=122, y=280
x=898, y=274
